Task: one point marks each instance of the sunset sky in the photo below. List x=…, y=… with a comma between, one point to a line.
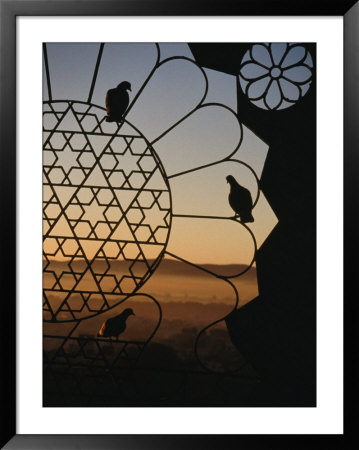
x=205, y=137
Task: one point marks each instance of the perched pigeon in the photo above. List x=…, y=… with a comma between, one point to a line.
x=115, y=325
x=240, y=200
x=117, y=101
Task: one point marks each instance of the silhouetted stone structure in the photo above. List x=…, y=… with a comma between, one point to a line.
x=277, y=331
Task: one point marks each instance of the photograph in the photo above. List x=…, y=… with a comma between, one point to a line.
x=179, y=224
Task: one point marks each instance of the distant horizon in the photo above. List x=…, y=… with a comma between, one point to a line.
x=167, y=258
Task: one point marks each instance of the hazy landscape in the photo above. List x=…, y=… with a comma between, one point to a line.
x=190, y=300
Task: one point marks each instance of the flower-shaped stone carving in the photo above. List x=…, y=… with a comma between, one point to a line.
x=275, y=76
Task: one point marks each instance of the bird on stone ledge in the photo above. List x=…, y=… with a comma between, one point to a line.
x=115, y=325
x=240, y=200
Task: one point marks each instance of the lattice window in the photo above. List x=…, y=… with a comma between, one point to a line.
x=114, y=208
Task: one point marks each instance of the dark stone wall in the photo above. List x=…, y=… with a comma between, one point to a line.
x=277, y=331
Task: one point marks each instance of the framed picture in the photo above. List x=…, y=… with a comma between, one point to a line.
x=176, y=224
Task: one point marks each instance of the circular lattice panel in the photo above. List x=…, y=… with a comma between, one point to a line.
x=106, y=207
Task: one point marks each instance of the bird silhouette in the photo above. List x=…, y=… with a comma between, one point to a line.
x=240, y=200
x=115, y=325
x=117, y=100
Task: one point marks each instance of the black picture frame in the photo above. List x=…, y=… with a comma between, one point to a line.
x=9, y=10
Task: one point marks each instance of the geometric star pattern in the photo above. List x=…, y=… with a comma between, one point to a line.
x=106, y=211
